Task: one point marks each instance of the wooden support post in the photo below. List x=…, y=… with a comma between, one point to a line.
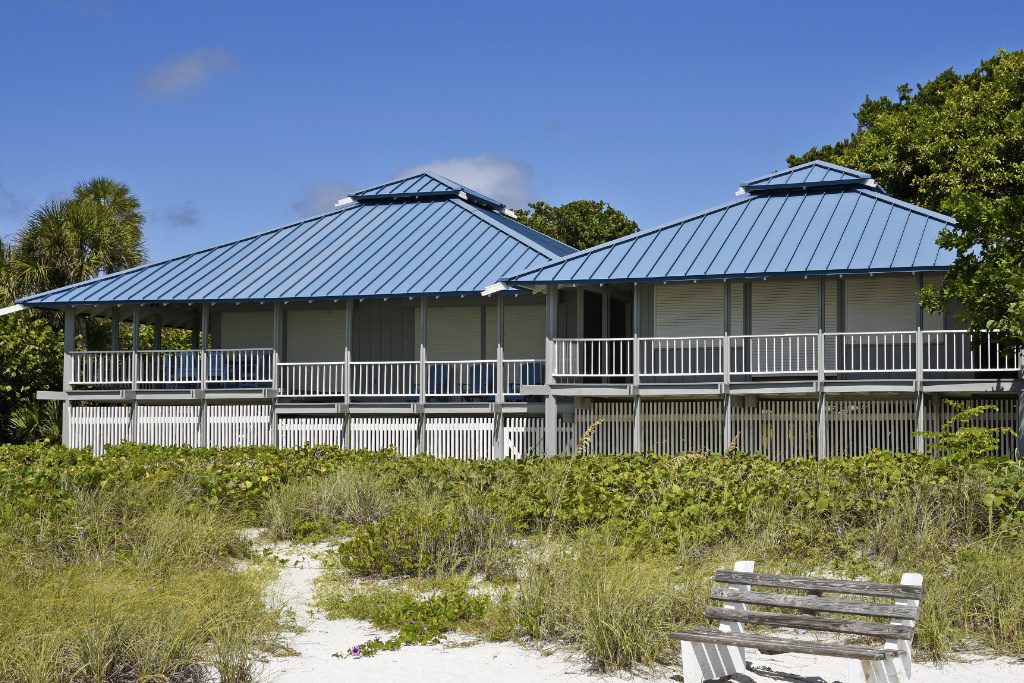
x=550, y=403
x=726, y=352
x=499, y=380
x=133, y=425
x=136, y=315
x=421, y=431
x=275, y=380
x=920, y=423
x=158, y=330
x=638, y=416
x=638, y=432
x=347, y=376
x=605, y=314
x=204, y=342
x=1020, y=426
x=580, y=297
x=115, y=328
x=819, y=364
x=69, y=376
x=822, y=437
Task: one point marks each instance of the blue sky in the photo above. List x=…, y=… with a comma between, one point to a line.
x=229, y=118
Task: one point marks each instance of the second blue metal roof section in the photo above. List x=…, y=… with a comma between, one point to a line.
x=817, y=219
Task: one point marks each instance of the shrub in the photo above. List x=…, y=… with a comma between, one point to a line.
x=418, y=620
x=428, y=534
x=311, y=510
x=615, y=606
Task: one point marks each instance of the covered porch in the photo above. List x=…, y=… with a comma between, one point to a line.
x=436, y=349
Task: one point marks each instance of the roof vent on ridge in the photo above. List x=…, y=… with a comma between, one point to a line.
x=813, y=174
x=424, y=186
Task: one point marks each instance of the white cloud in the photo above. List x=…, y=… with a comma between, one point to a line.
x=10, y=203
x=504, y=180
x=184, y=216
x=321, y=197
x=186, y=72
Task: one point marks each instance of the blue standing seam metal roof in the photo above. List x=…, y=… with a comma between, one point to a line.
x=810, y=174
x=842, y=226
x=435, y=245
x=424, y=185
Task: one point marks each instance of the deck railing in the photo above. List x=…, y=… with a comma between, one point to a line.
x=516, y=373
x=239, y=367
x=831, y=354
x=680, y=356
x=168, y=368
x=101, y=368
x=299, y=380
x=386, y=379
x=773, y=354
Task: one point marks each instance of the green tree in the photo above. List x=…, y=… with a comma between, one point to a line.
x=581, y=224
x=31, y=359
x=956, y=145
x=97, y=230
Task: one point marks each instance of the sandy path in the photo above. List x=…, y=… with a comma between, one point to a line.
x=464, y=659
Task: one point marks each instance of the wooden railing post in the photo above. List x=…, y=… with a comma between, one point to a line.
x=346, y=378
x=69, y=374
x=550, y=403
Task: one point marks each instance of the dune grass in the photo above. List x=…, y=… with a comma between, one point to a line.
x=132, y=582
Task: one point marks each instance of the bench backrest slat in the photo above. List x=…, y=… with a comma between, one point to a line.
x=813, y=623
x=844, y=586
x=816, y=604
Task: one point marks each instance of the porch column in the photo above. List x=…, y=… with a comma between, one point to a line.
x=1020, y=426
x=499, y=380
x=727, y=434
x=421, y=431
x=115, y=328
x=278, y=344
x=136, y=315
x=550, y=403
x=638, y=433
x=133, y=427
x=69, y=369
x=919, y=403
x=347, y=376
x=819, y=361
x=204, y=342
x=158, y=330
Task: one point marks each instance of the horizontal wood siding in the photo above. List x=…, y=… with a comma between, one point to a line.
x=246, y=330
x=689, y=309
x=315, y=336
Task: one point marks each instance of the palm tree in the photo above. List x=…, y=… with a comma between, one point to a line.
x=97, y=231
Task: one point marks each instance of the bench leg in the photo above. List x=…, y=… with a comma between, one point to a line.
x=703, y=661
x=886, y=671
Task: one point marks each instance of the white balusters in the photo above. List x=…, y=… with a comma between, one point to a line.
x=311, y=379
x=385, y=378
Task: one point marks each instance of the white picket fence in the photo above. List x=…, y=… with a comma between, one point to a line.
x=778, y=428
x=682, y=426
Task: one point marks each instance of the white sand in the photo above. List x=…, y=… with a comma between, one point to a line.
x=464, y=659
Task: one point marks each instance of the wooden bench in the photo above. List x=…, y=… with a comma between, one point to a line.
x=709, y=654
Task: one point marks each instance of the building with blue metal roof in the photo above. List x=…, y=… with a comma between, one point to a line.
x=420, y=236
x=787, y=321
x=813, y=219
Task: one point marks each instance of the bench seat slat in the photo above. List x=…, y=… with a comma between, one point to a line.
x=846, y=586
x=812, y=623
x=804, y=602
x=774, y=644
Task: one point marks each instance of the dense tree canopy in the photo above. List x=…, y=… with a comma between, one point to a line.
x=581, y=224
x=956, y=145
x=97, y=230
